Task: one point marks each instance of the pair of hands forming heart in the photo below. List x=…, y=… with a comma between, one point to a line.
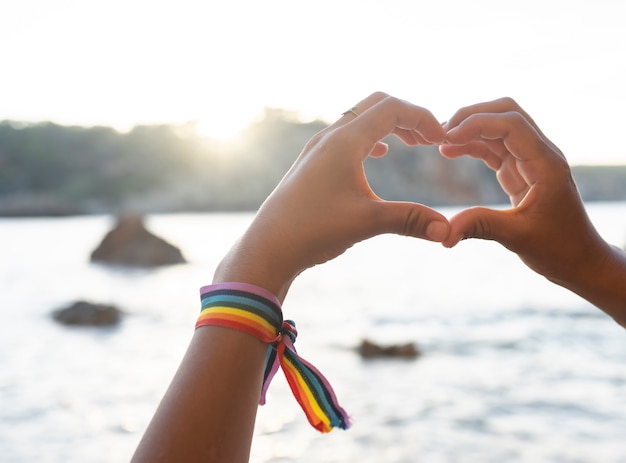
x=324, y=204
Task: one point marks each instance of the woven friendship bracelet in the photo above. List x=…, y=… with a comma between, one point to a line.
x=256, y=311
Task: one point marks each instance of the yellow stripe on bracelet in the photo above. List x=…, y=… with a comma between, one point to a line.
x=256, y=311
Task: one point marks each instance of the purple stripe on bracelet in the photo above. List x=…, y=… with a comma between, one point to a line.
x=242, y=287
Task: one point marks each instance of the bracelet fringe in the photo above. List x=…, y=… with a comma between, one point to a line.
x=256, y=311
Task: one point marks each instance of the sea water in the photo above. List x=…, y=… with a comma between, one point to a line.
x=512, y=369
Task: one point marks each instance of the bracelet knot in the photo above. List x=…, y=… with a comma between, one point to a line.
x=256, y=311
x=289, y=329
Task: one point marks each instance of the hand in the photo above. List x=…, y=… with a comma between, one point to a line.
x=548, y=226
x=324, y=204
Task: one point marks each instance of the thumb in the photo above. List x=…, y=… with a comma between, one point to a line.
x=411, y=219
x=482, y=223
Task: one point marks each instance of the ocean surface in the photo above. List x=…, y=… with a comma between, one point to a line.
x=513, y=368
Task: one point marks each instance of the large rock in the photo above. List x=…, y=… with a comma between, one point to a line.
x=369, y=349
x=88, y=314
x=130, y=243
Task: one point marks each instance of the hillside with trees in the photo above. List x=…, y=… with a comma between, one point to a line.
x=48, y=169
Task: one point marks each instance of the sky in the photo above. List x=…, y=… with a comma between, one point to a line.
x=220, y=63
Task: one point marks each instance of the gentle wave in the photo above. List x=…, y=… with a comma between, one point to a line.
x=513, y=368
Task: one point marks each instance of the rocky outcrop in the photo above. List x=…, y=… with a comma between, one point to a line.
x=84, y=313
x=130, y=243
x=369, y=349
x=36, y=205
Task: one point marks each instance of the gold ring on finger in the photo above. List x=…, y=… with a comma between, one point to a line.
x=349, y=111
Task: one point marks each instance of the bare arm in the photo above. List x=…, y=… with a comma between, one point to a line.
x=322, y=207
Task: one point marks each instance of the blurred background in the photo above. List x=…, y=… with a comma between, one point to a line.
x=188, y=113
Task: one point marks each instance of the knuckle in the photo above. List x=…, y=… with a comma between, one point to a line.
x=372, y=100
x=517, y=121
x=341, y=137
x=515, y=118
x=317, y=138
x=391, y=103
x=460, y=115
x=379, y=96
x=561, y=167
x=479, y=226
x=482, y=230
x=414, y=224
x=508, y=102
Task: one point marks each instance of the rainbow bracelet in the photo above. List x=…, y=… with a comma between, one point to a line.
x=256, y=311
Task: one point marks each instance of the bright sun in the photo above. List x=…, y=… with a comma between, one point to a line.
x=223, y=126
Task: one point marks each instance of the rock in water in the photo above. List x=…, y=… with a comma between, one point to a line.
x=88, y=314
x=130, y=243
x=368, y=350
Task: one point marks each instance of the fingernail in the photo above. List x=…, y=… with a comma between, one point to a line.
x=437, y=231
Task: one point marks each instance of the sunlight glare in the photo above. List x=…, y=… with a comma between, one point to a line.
x=224, y=125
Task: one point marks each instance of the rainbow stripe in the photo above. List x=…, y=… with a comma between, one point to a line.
x=312, y=390
x=257, y=312
x=241, y=310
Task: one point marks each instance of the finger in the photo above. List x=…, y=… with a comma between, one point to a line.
x=392, y=115
x=500, y=105
x=519, y=137
x=535, y=158
x=494, y=154
x=475, y=149
x=483, y=223
x=410, y=137
x=525, y=157
x=379, y=150
x=358, y=109
x=410, y=219
x=497, y=158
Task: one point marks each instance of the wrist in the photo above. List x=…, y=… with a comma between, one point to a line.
x=600, y=280
x=249, y=261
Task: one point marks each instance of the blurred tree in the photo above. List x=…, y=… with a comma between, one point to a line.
x=170, y=168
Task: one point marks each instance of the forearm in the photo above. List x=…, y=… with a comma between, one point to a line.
x=208, y=412
x=602, y=283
